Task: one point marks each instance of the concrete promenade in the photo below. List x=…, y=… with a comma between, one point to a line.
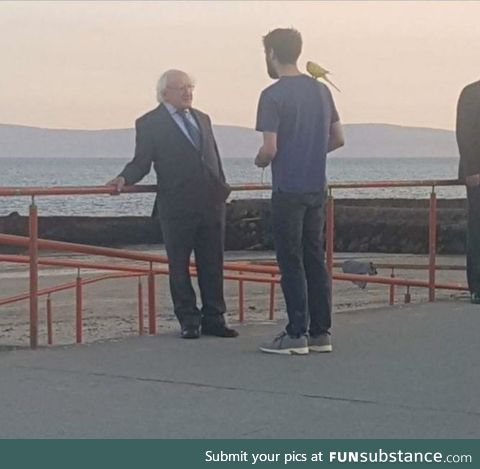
x=409, y=371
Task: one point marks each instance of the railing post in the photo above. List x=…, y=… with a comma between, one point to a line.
x=140, y=306
x=272, y=298
x=241, y=313
x=33, y=253
x=49, y=321
x=330, y=228
x=432, y=244
x=79, y=308
x=408, y=297
x=152, y=323
x=392, y=288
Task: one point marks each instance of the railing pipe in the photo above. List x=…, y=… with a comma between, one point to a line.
x=33, y=254
x=96, y=190
x=62, y=287
x=432, y=244
x=408, y=296
x=34, y=244
x=392, y=289
x=241, y=312
x=272, y=299
x=49, y=321
x=152, y=325
x=79, y=309
x=140, y=306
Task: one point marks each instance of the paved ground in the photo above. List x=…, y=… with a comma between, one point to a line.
x=396, y=372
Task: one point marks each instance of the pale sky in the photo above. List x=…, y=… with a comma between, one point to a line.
x=94, y=65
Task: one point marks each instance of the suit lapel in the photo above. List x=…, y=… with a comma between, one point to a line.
x=203, y=128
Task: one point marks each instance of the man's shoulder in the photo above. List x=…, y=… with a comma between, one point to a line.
x=475, y=84
x=149, y=116
x=305, y=82
x=471, y=88
x=271, y=89
x=201, y=114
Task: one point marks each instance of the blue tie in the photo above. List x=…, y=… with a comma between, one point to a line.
x=191, y=129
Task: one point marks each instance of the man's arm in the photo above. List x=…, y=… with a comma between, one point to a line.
x=219, y=159
x=467, y=133
x=141, y=163
x=336, y=138
x=267, y=151
x=268, y=122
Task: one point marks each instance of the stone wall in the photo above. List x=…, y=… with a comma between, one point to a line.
x=361, y=225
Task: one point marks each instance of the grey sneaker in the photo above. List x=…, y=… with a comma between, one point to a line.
x=320, y=343
x=286, y=345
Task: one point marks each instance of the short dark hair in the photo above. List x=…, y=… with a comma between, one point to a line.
x=286, y=44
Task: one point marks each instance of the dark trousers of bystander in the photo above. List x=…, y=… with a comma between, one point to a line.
x=473, y=239
x=298, y=222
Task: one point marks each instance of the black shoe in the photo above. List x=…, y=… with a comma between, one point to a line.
x=190, y=332
x=475, y=298
x=218, y=330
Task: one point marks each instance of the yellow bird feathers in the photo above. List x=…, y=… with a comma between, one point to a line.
x=319, y=72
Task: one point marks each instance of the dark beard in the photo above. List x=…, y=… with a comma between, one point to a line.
x=272, y=72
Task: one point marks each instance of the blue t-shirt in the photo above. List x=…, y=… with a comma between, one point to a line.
x=300, y=110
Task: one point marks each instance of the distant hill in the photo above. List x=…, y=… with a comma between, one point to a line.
x=394, y=141
x=363, y=140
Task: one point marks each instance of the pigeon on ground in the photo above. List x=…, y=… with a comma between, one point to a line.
x=360, y=268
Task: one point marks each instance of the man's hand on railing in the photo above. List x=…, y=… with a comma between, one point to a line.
x=118, y=183
x=473, y=180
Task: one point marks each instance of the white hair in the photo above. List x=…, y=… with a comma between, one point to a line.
x=162, y=82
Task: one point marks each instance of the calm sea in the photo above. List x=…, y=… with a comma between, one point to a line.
x=91, y=172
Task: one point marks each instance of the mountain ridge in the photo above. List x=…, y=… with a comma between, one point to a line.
x=374, y=140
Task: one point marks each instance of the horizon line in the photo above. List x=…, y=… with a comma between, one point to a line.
x=73, y=129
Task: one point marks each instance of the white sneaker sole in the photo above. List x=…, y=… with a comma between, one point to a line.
x=321, y=348
x=287, y=351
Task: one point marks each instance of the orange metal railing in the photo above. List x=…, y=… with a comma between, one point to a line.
x=256, y=273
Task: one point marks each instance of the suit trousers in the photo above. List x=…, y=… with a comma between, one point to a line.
x=473, y=239
x=204, y=235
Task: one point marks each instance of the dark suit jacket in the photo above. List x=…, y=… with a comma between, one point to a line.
x=468, y=130
x=189, y=180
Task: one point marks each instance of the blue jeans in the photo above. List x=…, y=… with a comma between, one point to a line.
x=298, y=221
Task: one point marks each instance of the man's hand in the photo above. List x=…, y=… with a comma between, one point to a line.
x=473, y=180
x=262, y=161
x=267, y=151
x=118, y=183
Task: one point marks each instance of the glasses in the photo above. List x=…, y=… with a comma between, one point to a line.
x=182, y=88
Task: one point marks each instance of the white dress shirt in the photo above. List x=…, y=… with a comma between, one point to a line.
x=178, y=119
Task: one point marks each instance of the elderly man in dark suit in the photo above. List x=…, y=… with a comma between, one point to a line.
x=468, y=138
x=190, y=202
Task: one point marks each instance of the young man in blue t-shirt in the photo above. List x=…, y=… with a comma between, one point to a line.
x=300, y=125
